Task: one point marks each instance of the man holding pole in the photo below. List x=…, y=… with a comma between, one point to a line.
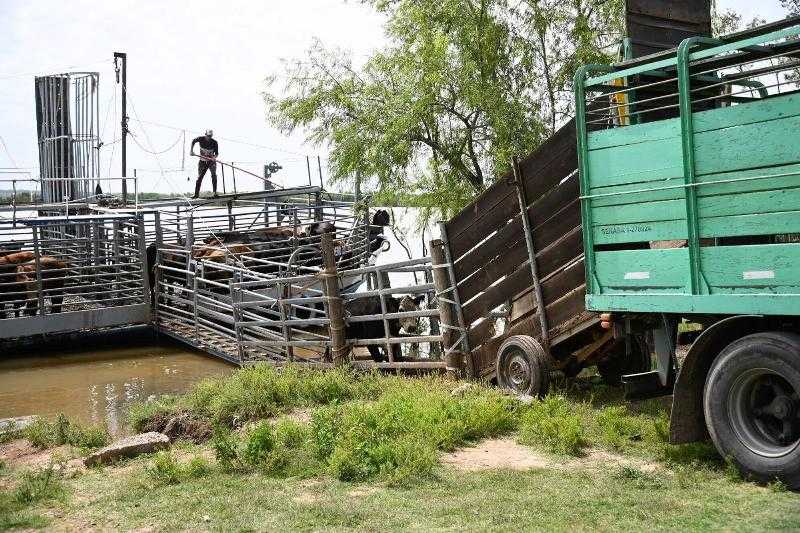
x=209, y=150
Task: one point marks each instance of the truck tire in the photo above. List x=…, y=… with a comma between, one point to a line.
x=616, y=365
x=752, y=407
x=523, y=366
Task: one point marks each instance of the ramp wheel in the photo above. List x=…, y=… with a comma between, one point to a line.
x=751, y=403
x=523, y=366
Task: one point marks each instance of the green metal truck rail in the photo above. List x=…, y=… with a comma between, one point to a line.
x=697, y=213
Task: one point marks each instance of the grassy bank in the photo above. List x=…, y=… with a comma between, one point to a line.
x=306, y=450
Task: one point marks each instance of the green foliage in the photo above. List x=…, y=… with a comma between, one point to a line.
x=460, y=88
x=619, y=428
x=44, y=433
x=139, y=414
x=226, y=448
x=38, y=485
x=554, y=424
x=263, y=391
x=166, y=470
x=640, y=478
x=260, y=442
x=396, y=437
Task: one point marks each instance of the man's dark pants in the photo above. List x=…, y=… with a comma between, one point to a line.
x=202, y=166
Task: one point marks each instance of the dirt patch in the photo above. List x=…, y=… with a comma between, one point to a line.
x=361, y=492
x=496, y=453
x=21, y=454
x=301, y=416
x=601, y=459
x=508, y=454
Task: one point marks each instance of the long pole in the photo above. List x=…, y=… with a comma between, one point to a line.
x=124, y=123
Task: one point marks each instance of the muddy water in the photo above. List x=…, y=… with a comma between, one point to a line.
x=97, y=385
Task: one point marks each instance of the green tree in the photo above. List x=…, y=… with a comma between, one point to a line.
x=461, y=87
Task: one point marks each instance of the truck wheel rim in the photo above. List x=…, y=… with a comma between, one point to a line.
x=764, y=410
x=519, y=372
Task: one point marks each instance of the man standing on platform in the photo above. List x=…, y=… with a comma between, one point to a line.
x=209, y=150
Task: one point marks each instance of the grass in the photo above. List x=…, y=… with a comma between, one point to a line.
x=554, y=424
x=612, y=500
x=33, y=487
x=165, y=469
x=368, y=458
x=259, y=392
x=44, y=433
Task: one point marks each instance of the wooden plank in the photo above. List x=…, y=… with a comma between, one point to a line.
x=480, y=332
x=560, y=253
x=498, y=194
x=552, y=289
x=551, y=162
x=638, y=270
x=508, y=260
x=510, y=235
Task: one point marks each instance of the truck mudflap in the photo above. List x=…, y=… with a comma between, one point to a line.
x=661, y=381
x=687, y=420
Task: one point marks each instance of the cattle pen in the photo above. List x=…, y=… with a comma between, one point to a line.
x=272, y=276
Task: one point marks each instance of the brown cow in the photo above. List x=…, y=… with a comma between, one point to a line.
x=53, y=278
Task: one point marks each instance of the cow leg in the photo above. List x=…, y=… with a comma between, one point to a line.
x=55, y=303
x=376, y=354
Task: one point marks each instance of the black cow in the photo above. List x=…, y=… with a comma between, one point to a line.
x=373, y=329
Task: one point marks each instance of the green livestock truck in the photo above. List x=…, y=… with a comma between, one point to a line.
x=689, y=166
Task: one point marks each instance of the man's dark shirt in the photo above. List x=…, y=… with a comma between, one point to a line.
x=208, y=146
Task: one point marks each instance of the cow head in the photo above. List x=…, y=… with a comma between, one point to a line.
x=381, y=218
x=410, y=303
x=318, y=228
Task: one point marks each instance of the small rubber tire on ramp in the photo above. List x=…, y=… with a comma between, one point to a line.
x=523, y=367
x=751, y=403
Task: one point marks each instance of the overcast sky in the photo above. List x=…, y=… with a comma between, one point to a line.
x=191, y=65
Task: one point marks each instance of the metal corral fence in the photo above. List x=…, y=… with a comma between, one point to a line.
x=70, y=273
x=307, y=315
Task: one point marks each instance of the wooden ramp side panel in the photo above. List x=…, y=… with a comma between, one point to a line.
x=490, y=257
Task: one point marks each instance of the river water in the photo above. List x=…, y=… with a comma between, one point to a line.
x=97, y=385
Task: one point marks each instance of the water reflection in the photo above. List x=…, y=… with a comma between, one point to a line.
x=98, y=386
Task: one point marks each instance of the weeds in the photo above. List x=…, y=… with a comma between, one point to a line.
x=141, y=414
x=226, y=448
x=641, y=479
x=46, y=434
x=263, y=391
x=396, y=437
x=166, y=470
x=38, y=485
x=553, y=424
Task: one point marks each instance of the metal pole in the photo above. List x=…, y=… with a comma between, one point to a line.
x=456, y=297
x=519, y=185
x=124, y=123
x=308, y=167
x=380, y=281
x=38, y=265
x=319, y=167
x=454, y=358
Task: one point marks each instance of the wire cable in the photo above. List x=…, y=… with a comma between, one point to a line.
x=10, y=157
